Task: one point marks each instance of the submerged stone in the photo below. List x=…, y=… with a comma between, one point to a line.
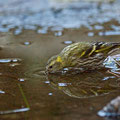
x=112, y=109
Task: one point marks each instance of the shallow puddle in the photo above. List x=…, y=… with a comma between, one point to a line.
x=59, y=97
x=27, y=92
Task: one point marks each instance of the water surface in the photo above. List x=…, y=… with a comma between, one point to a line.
x=26, y=48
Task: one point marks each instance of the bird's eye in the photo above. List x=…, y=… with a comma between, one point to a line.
x=50, y=67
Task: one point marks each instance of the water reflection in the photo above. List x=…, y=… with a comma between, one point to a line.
x=84, y=85
x=89, y=84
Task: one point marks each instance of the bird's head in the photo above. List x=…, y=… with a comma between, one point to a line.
x=54, y=64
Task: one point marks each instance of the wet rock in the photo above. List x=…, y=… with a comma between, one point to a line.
x=112, y=109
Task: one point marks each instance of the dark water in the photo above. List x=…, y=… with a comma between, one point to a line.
x=23, y=58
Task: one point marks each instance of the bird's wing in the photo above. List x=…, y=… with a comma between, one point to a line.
x=99, y=47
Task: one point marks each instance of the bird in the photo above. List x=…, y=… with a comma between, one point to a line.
x=82, y=56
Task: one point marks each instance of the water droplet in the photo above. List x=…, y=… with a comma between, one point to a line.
x=98, y=27
x=107, y=78
x=15, y=111
x=27, y=43
x=90, y=34
x=17, y=31
x=117, y=59
x=2, y=92
x=5, y=60
x=101, y=113
x=47, y=82
x=56, y=29
x=8, y=60
x=68, y=42
x=11, y=26
x=116, y=28
x=101, y=33
x=30, y=27
x=107, y=33
x=66, y=69
x=14, y=60
x=59, y=33
x=42, y=31
x=50, y=94
x=62, y=84
x=4, y=29
x=21, y=79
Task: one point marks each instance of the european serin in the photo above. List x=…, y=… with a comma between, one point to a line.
x=81, y=56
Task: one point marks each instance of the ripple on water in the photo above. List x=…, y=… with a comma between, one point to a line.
x=37, y=72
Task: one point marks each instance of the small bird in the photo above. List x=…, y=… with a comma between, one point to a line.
x=81, y=56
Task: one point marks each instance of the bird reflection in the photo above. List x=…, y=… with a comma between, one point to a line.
x=84, y=85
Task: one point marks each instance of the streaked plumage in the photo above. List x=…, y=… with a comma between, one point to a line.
x=81, y=55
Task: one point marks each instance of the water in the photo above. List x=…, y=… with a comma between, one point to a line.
x=47, y=101
x=29, y=37
x=45, y=15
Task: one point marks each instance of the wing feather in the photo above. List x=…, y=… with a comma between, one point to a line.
x=99, y=47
